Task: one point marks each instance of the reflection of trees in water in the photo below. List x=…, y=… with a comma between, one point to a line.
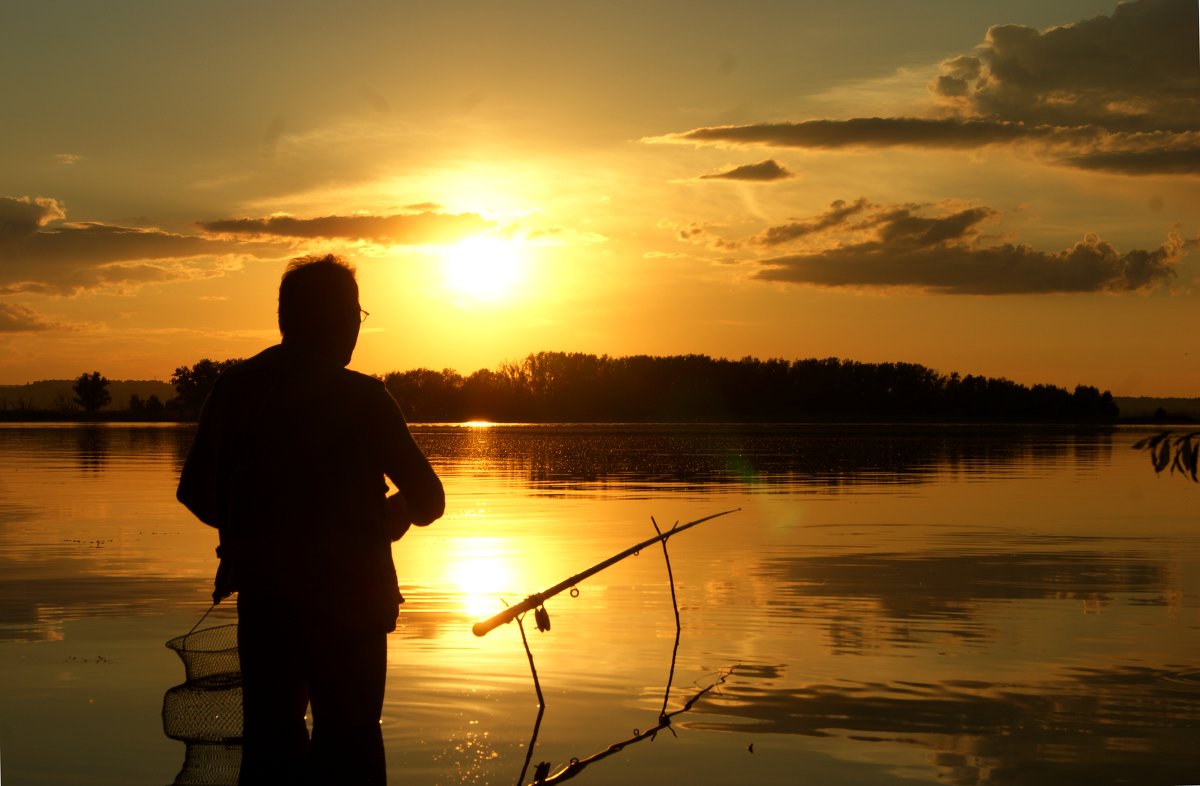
x=649, y=455
x=35, y=608
x=92, y=444
x=875, y=600
x=779, y=455
x=1109, y=724
x=1096, y=726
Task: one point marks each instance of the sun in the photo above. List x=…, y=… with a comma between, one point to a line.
x=484, y=269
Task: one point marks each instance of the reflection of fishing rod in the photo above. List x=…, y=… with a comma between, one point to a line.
x=536, y=600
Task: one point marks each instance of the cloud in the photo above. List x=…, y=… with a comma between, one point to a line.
x=1134, y=70
x=839, y=212
x=1086, y=147
x=22, y=216
x=39, y=252
x=901, y=246
x=1116, y=93
x=700, y=233
x=406, y=228
x=15, y=318
x=865, y=132
x=709, y=235
x=1178, y=161
x=763, y=171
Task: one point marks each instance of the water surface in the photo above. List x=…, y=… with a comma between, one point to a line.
x=890, y=605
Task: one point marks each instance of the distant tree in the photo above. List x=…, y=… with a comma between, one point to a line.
x=135, y=403
x=427, y=395
x=193, y=383
x=154, y=403
x=63, y=402
x=91, y=392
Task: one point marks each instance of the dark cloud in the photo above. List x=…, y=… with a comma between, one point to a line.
x=16, y=318
x=1181, y=161
x=839, y=212
x=867, y=132
x=1087, y=147
x=1133, y=70
x=1117, y=93
x=41, y=253
x=22, y=216
x=900, y=247
x=904, y=227
x=762, y=171
x=407, y=228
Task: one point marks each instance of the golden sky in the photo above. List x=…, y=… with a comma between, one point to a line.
x=1002, y=187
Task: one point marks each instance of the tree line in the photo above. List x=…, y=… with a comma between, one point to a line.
x=580, y=387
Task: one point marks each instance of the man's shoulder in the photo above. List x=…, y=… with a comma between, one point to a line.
x=268, y=357
x=263, y=362
x=362, y=384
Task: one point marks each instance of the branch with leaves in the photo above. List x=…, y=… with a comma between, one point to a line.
x=1181, y=453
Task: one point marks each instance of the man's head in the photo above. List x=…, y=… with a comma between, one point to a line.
x=318, y=307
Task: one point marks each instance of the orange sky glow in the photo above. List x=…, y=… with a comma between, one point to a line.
x=1000, y=188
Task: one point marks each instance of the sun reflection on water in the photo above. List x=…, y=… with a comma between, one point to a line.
x=481, y=575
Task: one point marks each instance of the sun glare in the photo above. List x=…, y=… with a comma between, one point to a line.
x=481, y=576
x=488, y=269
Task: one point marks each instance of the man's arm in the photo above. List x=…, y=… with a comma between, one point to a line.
x=424, y=500
x=198, y=481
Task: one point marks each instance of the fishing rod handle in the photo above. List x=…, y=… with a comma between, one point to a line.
x=486, y=626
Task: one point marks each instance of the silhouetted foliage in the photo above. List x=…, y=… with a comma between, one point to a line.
x=193, y=383
x=148, y=406
x=91, y=392
x=579, y=387
x=1181, y=453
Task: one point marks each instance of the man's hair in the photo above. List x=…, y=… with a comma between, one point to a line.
x=316, y=295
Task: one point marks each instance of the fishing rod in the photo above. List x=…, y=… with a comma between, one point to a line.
x=537, y=599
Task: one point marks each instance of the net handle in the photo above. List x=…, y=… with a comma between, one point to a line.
x=203, y=617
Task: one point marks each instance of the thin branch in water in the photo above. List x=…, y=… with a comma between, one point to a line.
x=678, y=627
x=576, y=766
x=537, y=723
x=537, y=685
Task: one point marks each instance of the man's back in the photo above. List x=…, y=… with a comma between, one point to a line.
x=290, y=460
x=288, y=464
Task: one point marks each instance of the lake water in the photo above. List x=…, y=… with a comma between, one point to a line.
x=888, y=605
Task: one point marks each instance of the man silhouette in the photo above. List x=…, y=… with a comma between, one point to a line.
x=288, y=463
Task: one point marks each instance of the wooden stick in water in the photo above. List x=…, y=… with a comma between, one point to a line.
x=537, y=599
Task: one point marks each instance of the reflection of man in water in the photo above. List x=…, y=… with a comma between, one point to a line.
x=289, y=463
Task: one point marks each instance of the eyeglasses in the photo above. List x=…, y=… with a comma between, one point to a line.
x=363, y=314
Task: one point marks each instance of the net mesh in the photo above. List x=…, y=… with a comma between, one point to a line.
x=209, y=655
x=210, y=764
x=205, y=712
